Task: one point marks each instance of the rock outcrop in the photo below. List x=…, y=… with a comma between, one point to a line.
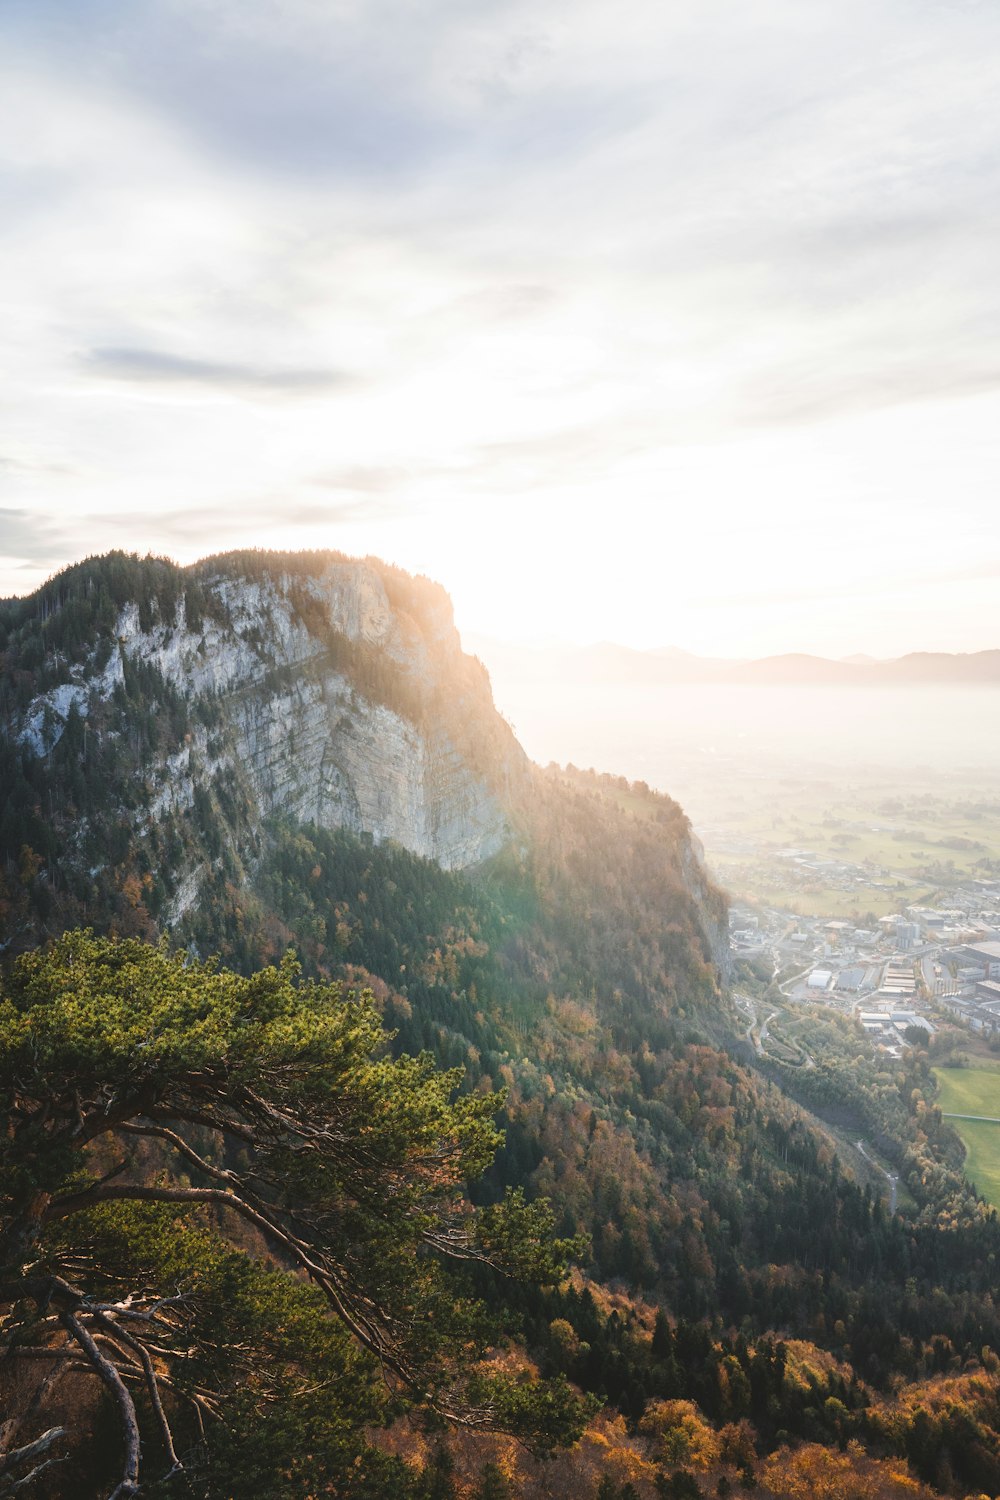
x=323, y=697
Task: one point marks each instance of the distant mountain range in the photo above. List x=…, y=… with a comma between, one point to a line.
x=608, y=662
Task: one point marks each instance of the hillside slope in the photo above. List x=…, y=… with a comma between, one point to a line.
x=267, y=750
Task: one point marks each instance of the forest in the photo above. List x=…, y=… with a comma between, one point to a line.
x=716, y=1304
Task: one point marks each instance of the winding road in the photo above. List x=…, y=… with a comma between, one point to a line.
x=749, y=1011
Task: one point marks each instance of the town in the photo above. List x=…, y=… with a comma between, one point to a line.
x=899, y=977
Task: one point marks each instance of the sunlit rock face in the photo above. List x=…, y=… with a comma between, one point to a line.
x=327, y=691
x=323, y=699
x=326, y=756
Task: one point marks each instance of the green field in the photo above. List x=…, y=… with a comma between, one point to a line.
x=982, y=1162
x=911, y=837
x=969, y=1091
x=975, y=1091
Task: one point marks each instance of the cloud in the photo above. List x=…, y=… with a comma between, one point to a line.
x=33, y=539
x=28, y=538
x=158, y=367
x=562, y=456
x=17, y=470
x=615, y=272
x=220, y=521
x=974, y=573
x=503, y=302
x=565, y=455
x=293, y=88
x=369, y=479
x=805, y=393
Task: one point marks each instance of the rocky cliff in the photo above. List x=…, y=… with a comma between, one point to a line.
x=156, y=721
x=335, y=692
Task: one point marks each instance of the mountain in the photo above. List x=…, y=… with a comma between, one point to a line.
x=943, y=667
x=336, y=693
x=602, y=662
x=940, y=668
x=270, y=750
x=607, y=662
x=189, y=708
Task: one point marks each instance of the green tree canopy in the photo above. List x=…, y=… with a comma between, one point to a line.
x=154, y=1101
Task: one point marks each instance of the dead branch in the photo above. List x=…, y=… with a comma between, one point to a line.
x=166, y=1436
x=129, y=1484
x=15, y=1458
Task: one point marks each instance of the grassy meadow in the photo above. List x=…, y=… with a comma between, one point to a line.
x=975, y=1091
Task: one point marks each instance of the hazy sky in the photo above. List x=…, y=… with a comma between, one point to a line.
x=672, y=322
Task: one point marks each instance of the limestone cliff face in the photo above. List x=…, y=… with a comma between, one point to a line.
x=167, y=715
x=322, y=698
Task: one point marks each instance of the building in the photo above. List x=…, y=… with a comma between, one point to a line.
x=978, y=1015
x=903, y=1018
x=985, y=955
x=907, y=934
x=899, y=978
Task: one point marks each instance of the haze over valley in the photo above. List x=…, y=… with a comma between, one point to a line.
x=886, y=772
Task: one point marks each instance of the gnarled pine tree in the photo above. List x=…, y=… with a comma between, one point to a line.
x=149, y=1099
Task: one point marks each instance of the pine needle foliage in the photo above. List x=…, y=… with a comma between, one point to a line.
x=266, y=1108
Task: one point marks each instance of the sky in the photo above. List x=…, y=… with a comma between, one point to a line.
x=671, y=323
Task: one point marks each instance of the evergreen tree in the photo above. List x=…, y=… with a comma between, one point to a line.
x=144, y=1093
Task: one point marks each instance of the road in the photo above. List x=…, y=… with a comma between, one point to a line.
x=748, y=1010
x=784, y=988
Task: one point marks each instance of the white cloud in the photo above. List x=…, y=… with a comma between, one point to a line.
x=649, y=304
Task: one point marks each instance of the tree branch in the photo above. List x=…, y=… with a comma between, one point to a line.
x=129, y=1485
x=11, y=1486
x=166, y=1436
x=14, y=1457
x=160, y=1132
x=326, y=1276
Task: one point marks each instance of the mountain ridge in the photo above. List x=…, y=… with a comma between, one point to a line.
x=348, y=697
x=200, y=703
x=608, y=661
